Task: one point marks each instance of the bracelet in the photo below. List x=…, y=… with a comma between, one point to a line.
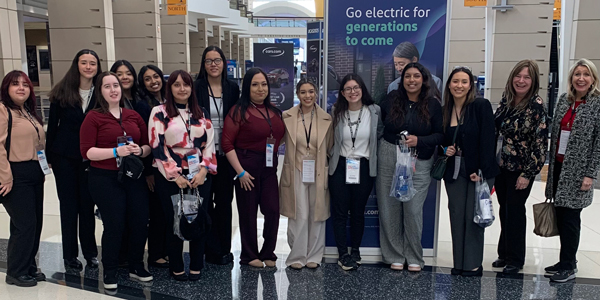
x=115, y=152
x=141, y=152
x=240, y=175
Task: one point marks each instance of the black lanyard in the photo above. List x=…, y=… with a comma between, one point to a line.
x=573, y=111
x=307, y=134
x=354, y=134
x=30, y=119
x=215, y=102
x=121, y=121
x=187, y=125
x=267, y=117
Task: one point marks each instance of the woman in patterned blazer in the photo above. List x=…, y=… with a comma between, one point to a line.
x=574, y=161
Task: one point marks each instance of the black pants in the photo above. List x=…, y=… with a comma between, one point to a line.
x=218, y=243
x=513, y=221
x=569, y=228
x=76, y=207
x=157, y=227
x=124, y=207
x=349, y=197
x=165, y=190
x=24, y=205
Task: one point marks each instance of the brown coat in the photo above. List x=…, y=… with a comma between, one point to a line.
x=287, y=194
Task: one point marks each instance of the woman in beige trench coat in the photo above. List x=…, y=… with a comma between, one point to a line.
x=303, y=193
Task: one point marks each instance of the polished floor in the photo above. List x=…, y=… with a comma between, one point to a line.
x=371, y=281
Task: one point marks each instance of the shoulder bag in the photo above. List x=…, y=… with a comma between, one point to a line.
x=7, y=142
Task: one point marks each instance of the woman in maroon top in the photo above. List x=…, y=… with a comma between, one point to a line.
x=251, y=135
x=124, y=202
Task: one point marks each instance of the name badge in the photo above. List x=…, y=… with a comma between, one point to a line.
x=308, y=169
x=193, y=165
x=499, y=143
x=456, y=166
x=217, y=140
x=270, y=151
x=352, y=170
x=41, y=154
x=121, y=141
x=564, y=140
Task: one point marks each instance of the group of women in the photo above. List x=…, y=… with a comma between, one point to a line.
x=204, y=135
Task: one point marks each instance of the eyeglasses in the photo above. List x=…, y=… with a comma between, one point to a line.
x=356, y=88
x=217, y=62
x=462, y=67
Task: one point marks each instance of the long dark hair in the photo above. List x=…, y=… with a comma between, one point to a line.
x=143, y=92
x=398, y=111
x=101, y=103
x=341, y=105
x=30, y=104
x=203, y=74
x=449, y=99
x=129, y=66
x=193, y=105
x=239, y=110
x=66, y=91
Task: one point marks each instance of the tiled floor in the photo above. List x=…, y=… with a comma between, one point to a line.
x=373, y=281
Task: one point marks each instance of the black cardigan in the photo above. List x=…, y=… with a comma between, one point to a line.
x=62, y=137
x=477, y=140
x=231, y=94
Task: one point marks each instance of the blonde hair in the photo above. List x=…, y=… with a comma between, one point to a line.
x=509, y=90
x=594, y=89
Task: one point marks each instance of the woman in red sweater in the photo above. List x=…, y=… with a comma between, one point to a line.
x=119, y=202
x=251, y=135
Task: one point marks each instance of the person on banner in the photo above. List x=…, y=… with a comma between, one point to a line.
x=304, y=196
x=469, y=121
x=109, y=135
x=251, y=136
x=522, y=141
x=182, y=140
x=410, y=110
x=404, y=54
x=218, y=95
x=353, y=164
x=70, y=100
x=23, y=167
x=574, y=161
x=152, y=88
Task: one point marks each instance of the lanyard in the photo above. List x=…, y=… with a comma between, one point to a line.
x=29, y=118
x=267, y=117
x=354, y=134
x=187, y=125
x=573, y=111
x=215, y=102
x=89, y=98
x=307, y=134
x=121, y=121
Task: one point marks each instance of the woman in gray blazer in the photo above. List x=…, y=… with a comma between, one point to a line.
x=574, y=165
x=353, y=164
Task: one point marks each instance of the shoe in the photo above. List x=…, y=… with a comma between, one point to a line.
x=194, y=277
x=296, y=266
x=92, y=262
x=256, y=263
x=159, y=265
x=22, y=281
x=73, y=263
x=110, y=280
x=180, y=277
x=510, y=269
x=270, y=263
x=347, y=263
x=456, y=272
x=141, y=274
x=414, y=268
x=397, y=266
x=38, y=276
x=355, y=253
x=499, y=263
x=563, y=276
x=312, y=265
x=553, y=269
x=477, y=272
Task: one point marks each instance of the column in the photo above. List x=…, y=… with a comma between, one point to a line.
x=215, y=40
x=235, y=48
x=198, y=43
x=175, y=39
x=75, y=26
x=137, y=32
x=226, y=44
x=10, y=44
x=523, y=32
x=466, y=42
x=242, y=55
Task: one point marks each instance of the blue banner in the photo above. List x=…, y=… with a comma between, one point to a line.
x=277, y=60
x=314, y=31
x=363, y=36
x=294, y=41
x=231, y=68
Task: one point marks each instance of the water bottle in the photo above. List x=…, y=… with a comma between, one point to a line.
x=485, y=204
x=402, y=183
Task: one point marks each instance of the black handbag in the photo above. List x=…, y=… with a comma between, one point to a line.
x=7, y=142
x=439, y=167
x=131, y=167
